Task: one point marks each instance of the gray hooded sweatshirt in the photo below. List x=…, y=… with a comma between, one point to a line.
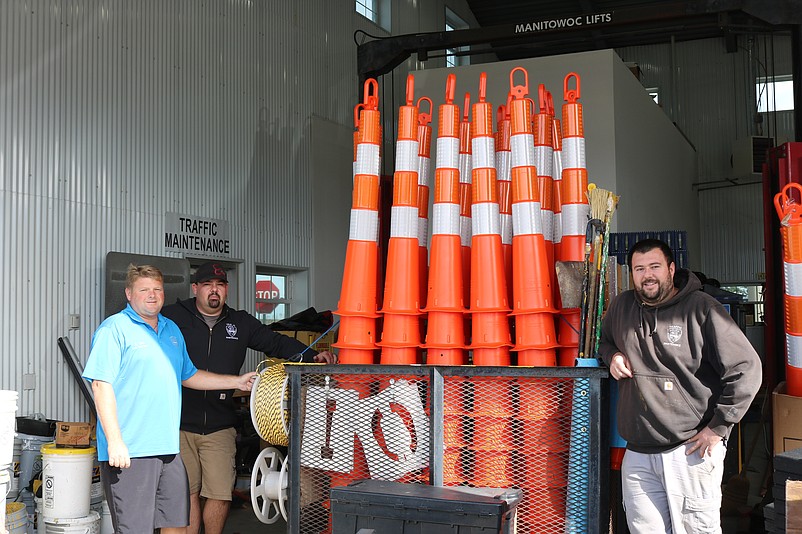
x=692, y=366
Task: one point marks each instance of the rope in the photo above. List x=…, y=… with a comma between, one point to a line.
x=270, y=395
x=269, y=398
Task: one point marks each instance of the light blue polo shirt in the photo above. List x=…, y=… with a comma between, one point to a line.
x=146, y=369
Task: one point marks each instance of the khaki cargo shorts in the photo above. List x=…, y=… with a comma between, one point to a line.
x=210, y=462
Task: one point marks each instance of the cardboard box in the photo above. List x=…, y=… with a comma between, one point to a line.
x=308, y=337
x=786, y=420
x=73, y=434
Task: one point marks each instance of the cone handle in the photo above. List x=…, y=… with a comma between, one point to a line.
x=371, y=98
x=424, y=118
x=519, y=91
x=571, y=96
x=787, y=206
x=410, y=89
x=451, y=87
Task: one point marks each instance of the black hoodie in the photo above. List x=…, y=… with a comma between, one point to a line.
x=692, y=366
x=221, y=349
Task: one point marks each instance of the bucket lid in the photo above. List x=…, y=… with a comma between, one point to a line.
x=52, y=448
x=14, y=507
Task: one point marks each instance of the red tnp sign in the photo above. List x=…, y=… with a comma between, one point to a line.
x=265, y=289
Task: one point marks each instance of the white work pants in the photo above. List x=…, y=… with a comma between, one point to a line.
x=673, y=493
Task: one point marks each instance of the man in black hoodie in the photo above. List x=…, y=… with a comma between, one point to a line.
x=217, y=339
x=686, y=374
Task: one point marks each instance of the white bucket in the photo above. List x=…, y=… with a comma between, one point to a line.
x=4, y=482
x=16, y=518
x=89, y=524
x=15, y=466
x=30, y=457
x=66, y=480
x=102, y=508
x=8, y=421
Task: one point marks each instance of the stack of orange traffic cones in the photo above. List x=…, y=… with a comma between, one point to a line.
x=445, y=341
x=490, y=336
x=575, y=208
x=503, y=154
x=358, y=298
x=533, y=307
x=424, y=161
x=400, y=341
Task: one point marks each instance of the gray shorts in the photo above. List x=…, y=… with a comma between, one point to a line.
x=152, y=493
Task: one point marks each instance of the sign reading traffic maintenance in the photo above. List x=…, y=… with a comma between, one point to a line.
x=565, y=22
x=200, y=236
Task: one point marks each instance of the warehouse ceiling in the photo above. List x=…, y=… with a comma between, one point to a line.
x=516, y=29
x=575, y=25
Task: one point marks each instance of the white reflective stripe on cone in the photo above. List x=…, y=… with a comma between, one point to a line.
x=506, y=228
x=526, y=218
x=573, y=153
x=465, y=168
x=793, y=279
x=793, y=345
x=445, y=219
x=423, y=231
x=404, y=221
x=424, y=171
x=543, y=160
x=447, y=153
x=557, y=162
x=575, y=219
x=523, y=151
x=548, y=224
x=465, y=231
x=364, y=225
x=557, y=233
x=503, y=160
x=483, y=152
x=367, y=159
x=485, y=219
x=406, y=156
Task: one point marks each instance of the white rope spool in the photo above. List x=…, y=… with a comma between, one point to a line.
x=269, y=486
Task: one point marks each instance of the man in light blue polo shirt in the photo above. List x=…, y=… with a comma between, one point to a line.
x=137, y=365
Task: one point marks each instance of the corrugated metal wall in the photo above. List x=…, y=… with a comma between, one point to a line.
x=114, y=112
x=710, y=95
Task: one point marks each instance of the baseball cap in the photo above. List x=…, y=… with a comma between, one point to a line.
x=210, y=271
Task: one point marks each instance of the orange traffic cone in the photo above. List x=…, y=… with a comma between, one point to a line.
x=490, y=338
x=575, y=210
x=445, y=340
x=788, y=209
x=400, y=340
x=424, y=165
x=504, y=181
x=544, y=151
x=465, y=194
x=356, y=341
x=533, y=305
x=557, y=175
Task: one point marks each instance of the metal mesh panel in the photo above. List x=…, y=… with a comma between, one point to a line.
x=533, y=429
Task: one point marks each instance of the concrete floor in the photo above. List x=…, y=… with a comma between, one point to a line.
x=242, y=520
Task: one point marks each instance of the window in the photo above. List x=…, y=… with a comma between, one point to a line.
x=367, y=8
x=453, y=57
x=777, y=91
x=279, y=294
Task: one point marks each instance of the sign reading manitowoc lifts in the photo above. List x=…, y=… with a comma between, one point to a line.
x=199, y=236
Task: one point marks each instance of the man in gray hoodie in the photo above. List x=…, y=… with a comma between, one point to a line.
x=686, y=374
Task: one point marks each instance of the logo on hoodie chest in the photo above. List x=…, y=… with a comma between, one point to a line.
x=231, y=331
x=674, y=335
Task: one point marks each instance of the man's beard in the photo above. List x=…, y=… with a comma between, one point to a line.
x=660, y=293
